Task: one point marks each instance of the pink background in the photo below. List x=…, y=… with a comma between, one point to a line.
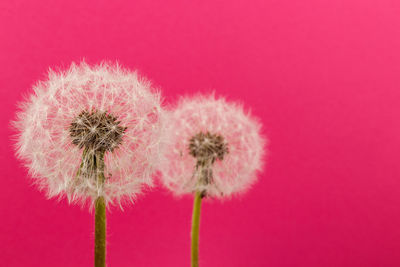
x=322, y=75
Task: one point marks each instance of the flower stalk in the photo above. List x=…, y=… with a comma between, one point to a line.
x=100, y=215
x=195, y=228
x=100, y=233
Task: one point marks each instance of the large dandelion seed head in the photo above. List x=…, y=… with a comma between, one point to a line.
x=214, y=147
x=86, y=113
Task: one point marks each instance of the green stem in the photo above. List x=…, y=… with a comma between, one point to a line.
x=195, y=228
x=100, y=216
x=100, y=233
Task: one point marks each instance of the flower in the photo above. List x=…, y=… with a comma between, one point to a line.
x=214, y=147
x=86, y=120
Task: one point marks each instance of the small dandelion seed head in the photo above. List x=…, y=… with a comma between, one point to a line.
x=215, y=147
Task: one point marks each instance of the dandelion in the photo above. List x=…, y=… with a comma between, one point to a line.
x=215, y=150
x=91, y=134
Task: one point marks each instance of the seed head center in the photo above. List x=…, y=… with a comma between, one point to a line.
x=207, y=147
x=96, y=130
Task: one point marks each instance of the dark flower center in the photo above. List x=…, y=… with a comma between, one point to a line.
x=97, y=131
x=207, y=147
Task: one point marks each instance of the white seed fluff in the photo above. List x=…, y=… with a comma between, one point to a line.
x=222, y=127
x=45, y=145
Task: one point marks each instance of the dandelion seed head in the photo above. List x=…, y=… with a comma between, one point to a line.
x=78, y=114
x=214, y=147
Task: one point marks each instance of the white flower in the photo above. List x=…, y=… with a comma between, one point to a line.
x=214, y=147
x=78, y=117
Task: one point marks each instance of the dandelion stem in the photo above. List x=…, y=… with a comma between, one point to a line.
x=195, y=228
x=100, y=233
x=100, y=217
